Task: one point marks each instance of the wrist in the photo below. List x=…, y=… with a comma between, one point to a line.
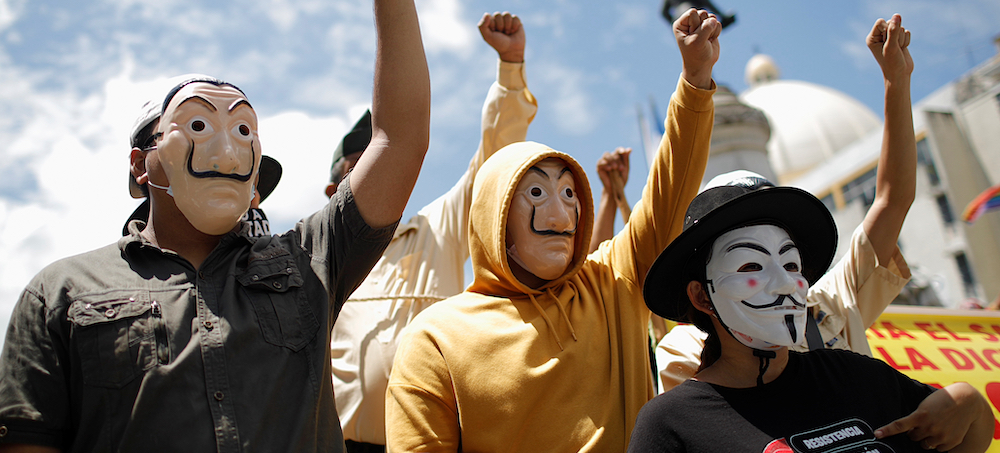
x=512, y=57
x=701, y=79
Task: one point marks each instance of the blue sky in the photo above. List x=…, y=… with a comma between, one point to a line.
x=73, y=74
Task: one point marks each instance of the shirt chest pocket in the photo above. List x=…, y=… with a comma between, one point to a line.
x=274, y=288
x=115, y=337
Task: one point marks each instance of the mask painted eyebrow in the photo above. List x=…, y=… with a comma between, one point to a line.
x=539, y=170
x=786, y=248
x=564, y=171
x=241, y=102
x=748, y=245
x=201, y=99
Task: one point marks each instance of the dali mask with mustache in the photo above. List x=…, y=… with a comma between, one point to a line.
x=210, y=154
x=542, y=220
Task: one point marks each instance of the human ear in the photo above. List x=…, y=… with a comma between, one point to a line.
x=699, y=299
x=137, y=166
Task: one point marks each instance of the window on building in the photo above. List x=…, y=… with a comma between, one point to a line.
x=829, y=203
x=968, y=280
x=946, y=215
x=925, y=160
x=862, y=187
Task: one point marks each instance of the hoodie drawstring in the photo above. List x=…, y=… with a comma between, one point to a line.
x=563, y=311
x=548, y=322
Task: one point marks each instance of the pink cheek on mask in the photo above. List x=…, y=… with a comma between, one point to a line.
x=801, y=285
x=752, y=283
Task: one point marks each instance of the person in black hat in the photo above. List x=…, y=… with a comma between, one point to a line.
x=740, y=271
x=872, y=270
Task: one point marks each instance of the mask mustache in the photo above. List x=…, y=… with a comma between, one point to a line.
x=215, y=174
x=777, y=302
x=569, y=233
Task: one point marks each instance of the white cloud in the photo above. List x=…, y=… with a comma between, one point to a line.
x=574, y=110
x=443, y=28
x=858, y=53
x=304, y=146
x=9, y=12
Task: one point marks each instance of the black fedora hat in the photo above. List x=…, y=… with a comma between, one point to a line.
x=720, y=209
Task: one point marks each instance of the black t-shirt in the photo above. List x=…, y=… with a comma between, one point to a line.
x=824, y=401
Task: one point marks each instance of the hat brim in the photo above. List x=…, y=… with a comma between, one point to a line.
x=270, y=174
x=805, y=218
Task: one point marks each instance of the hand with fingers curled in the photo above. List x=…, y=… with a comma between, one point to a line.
x=504, y=32
x=889, y=42
x=956, y=418
x=697, y=34
x=615, y=161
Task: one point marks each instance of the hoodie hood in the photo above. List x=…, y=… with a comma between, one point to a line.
x=492, y=194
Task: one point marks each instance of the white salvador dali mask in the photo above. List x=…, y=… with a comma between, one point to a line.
x=210, y=154
x=755, y=283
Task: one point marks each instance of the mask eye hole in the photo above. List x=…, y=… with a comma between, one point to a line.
x=569, y=192
x=535, y=191
x=244, y=130
x=792, y=267
x=197, y=125
x=750, y=267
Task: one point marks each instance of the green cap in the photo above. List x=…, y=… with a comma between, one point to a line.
x=356, y=140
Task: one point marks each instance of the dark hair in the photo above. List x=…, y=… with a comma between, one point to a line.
x=696, y=271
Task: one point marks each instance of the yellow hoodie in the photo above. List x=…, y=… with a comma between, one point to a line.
x=504, y=367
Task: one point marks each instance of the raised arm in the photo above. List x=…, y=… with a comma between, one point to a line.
x=679, y=165
x=895, y=183
x=510, y=107
x=386, y=172
x=507, y=112
x=604, y=219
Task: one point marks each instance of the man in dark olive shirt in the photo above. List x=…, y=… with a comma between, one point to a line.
x=189, y=334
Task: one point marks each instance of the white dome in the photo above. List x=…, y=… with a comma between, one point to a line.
x=809, y=123
x=760, y=69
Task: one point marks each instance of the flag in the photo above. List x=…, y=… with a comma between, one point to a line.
x=985, y=202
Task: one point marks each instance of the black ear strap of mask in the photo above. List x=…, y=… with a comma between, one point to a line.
x=813, y=337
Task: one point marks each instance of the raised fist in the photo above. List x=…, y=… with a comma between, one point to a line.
x=503, y=32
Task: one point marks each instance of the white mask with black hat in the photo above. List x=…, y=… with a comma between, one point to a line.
x=755, y=283
x=739, y=203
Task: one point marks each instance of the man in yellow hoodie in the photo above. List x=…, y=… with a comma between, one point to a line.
x=423, y=264
x=547, y=349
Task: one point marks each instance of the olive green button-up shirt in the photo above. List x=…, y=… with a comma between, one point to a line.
x=130, y=348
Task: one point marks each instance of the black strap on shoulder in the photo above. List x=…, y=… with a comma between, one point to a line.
x=813, y=337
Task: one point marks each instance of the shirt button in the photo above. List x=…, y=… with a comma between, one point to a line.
x=201, y=275
x=277, y=285
x=255, y=277
x=219, y=396
x=208, y=325
x=110, y=313
x=3, y=430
